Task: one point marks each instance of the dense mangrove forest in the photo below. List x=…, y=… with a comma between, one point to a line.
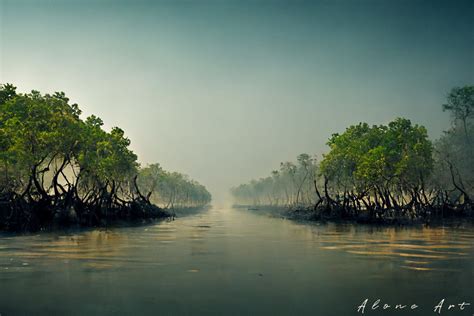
x=385, y=173
x=58, y=169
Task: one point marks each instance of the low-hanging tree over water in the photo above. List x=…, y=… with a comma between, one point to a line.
x=56, y=167
x=379, y=172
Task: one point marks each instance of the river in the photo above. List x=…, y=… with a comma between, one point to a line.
x=235, y=262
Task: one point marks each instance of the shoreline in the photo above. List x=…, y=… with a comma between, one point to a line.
x=72, y=224
x=315, y=216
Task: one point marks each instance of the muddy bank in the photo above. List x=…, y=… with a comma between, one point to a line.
x=320, y=215
x=32, y=217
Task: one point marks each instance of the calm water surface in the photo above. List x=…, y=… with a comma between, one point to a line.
x=235, y=262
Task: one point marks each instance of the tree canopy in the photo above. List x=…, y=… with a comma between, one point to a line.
x=381, y=170
x=54, y=164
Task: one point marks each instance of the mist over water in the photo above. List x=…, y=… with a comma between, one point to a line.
x=226, y=90
x=212, y=94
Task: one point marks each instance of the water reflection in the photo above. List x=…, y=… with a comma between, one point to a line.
x=418, y=249
x=409, y=247
x=208, y=262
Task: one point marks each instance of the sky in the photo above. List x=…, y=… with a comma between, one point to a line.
x=225, y=90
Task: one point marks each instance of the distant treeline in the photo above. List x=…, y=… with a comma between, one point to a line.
x=380, y=172
x=56, y=168
x=171, y=189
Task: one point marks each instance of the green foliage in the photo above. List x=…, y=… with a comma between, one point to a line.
x=171, y=189
x=374, y=166
x=382, y=170
x=51, y=158
x=35, y=130
x=363, y=158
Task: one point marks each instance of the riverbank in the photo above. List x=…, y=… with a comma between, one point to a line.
x=40, y=217
x=68, y=220
x=59, y=169
x=318, y=215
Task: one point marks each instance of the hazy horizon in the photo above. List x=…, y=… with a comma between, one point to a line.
x=223, y=90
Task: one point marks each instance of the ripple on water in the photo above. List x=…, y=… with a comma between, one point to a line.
x=419, y=249
x=415, y=249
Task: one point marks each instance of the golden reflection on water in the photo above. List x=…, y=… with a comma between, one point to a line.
x=433, y=246
x=98, y=249
x=103, y=249
x=412, y=248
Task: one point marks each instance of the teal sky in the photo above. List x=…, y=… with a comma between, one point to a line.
x=225, y=90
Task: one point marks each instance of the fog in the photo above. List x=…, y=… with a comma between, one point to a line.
x=225, y=90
